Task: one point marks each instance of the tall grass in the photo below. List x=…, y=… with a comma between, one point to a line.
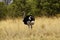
x=43, y=29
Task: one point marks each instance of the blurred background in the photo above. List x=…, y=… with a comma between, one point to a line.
x=39, y=8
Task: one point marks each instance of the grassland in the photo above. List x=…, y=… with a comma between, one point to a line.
x=43, y=29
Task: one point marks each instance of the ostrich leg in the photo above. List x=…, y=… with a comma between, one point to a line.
x=31, y=26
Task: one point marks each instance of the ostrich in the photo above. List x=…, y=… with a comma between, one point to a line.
x=28, y=20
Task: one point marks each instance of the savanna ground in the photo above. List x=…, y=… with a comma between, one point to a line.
x=43, y=29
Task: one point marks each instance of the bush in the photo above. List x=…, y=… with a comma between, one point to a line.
x=2, y=10
x=34, y=7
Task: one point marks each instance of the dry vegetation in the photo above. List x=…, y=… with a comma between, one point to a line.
x=44, y=29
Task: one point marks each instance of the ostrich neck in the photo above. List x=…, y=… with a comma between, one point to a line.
x=24, y=14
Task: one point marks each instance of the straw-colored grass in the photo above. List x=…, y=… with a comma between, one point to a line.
x=43, y=29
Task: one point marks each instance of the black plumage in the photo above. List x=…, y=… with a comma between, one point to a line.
x=29, y=20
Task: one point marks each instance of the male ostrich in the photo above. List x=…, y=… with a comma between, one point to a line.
x=28, y=20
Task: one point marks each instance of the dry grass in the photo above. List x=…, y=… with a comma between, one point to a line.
x=44, y=29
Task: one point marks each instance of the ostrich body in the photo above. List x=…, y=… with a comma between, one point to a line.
x=29, y=20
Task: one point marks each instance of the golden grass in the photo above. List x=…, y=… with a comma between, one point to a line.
x=43, y=29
